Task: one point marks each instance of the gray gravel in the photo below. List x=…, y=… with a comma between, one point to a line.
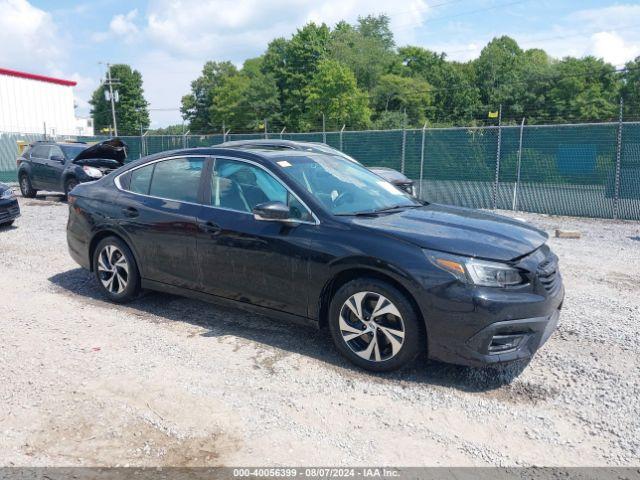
x=172, y=381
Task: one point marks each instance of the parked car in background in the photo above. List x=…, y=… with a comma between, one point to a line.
x=60, y=166
x=393, y=176
x=318, y=238
x=9, y=208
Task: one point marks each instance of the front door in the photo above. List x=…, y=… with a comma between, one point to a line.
x=260, y=262
x=158, y=212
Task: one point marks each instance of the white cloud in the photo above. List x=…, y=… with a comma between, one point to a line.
x=121, y=26
x=613, y=48
x=28, y=36
x=610, y=17
x=235, y=29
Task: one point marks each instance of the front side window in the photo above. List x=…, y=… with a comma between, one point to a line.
x=240, y=186
x=344, y=187
x=40, y=151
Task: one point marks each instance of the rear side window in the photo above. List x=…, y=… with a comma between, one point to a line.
x=177, y=179
x=140, y=179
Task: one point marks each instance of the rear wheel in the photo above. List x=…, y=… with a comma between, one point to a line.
x=374, y=325
x=116, y=270
x=26, y=188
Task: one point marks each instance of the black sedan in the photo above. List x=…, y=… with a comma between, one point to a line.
x=9, y=208
x=320, y=239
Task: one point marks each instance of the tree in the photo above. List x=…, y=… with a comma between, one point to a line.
x=410, y=96
x=132, y=113
x=334, y=92
x=631, y=88
x=292, y=64
x=369, y=55
x=499, y=74
x=196, y=105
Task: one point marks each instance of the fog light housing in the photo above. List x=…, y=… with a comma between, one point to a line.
x=505, y=343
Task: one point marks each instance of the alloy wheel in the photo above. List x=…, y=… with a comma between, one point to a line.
x=24, y=185
x=113, y=269
x=372, y=326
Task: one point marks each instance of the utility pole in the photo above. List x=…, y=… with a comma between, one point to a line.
x=110, y=83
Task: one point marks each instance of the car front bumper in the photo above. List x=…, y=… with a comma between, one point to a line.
x=9, y=210
x=481, y=326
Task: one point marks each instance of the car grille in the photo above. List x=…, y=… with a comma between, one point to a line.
x=548, y=273
x=9, y=213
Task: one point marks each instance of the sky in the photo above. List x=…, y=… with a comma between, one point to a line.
x=168, y=41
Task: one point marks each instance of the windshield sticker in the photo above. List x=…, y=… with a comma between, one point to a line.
x=389, y=187
x=284, y=163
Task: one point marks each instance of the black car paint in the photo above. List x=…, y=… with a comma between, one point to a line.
x=53, y=172
x=9, y=208
x=289, y=271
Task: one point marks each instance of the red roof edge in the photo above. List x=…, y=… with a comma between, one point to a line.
x=41, y=78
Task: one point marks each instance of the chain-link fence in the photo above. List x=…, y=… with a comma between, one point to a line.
x=590, y=170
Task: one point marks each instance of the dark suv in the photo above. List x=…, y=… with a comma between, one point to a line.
x=60, y=166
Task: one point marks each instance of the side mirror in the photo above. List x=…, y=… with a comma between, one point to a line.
x=272, y=212
x=57, y=158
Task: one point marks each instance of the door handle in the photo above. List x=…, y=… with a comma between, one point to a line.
x=130, y=212
x=211, y=227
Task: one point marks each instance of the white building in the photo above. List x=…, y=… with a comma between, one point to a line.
x=29, y=103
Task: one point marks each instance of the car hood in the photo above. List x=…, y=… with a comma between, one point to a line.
x=110, y=153
x=390, y=175
x=460, y=231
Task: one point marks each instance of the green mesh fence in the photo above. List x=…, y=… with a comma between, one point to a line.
x=581, y=170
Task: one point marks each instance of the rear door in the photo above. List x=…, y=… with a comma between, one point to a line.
x=158, y=211
x=39, y=159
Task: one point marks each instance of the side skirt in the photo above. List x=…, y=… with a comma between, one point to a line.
x=225, y=302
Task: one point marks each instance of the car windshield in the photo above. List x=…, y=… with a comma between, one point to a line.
x=342, y=186
x=72, y=151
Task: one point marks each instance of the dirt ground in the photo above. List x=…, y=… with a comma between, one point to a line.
x=171, y=381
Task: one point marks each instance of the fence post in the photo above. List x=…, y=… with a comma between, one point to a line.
x=616, y=195
x=517, y=184
x=282, y=132
x=424, y=130
x=341, y=132
x=495, y=183
x=404, y=148
x=184, y=138
x=324, y=131
x=266, y=135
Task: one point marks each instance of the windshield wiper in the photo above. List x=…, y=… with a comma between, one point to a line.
x=379, y=211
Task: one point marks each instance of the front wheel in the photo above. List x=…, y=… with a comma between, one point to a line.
x=26, y=188
x=116, y=270
x=69, y=185
x=375, y=326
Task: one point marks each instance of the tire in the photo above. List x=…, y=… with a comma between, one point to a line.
x=69, y=184
x=26, y=188
x=398, y=338
x=7, y=224
x=119, y=279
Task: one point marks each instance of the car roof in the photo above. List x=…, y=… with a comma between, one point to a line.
x=53, y=142
x=291, y=144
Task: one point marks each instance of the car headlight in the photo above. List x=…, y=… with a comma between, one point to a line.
x=7, y=194
x=476, y=272
x=93, y=172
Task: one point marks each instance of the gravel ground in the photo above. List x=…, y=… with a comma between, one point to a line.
x=171, y=381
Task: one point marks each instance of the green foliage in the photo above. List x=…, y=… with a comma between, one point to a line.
x=357, y=76
x=132, y=114
x=333, y=92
